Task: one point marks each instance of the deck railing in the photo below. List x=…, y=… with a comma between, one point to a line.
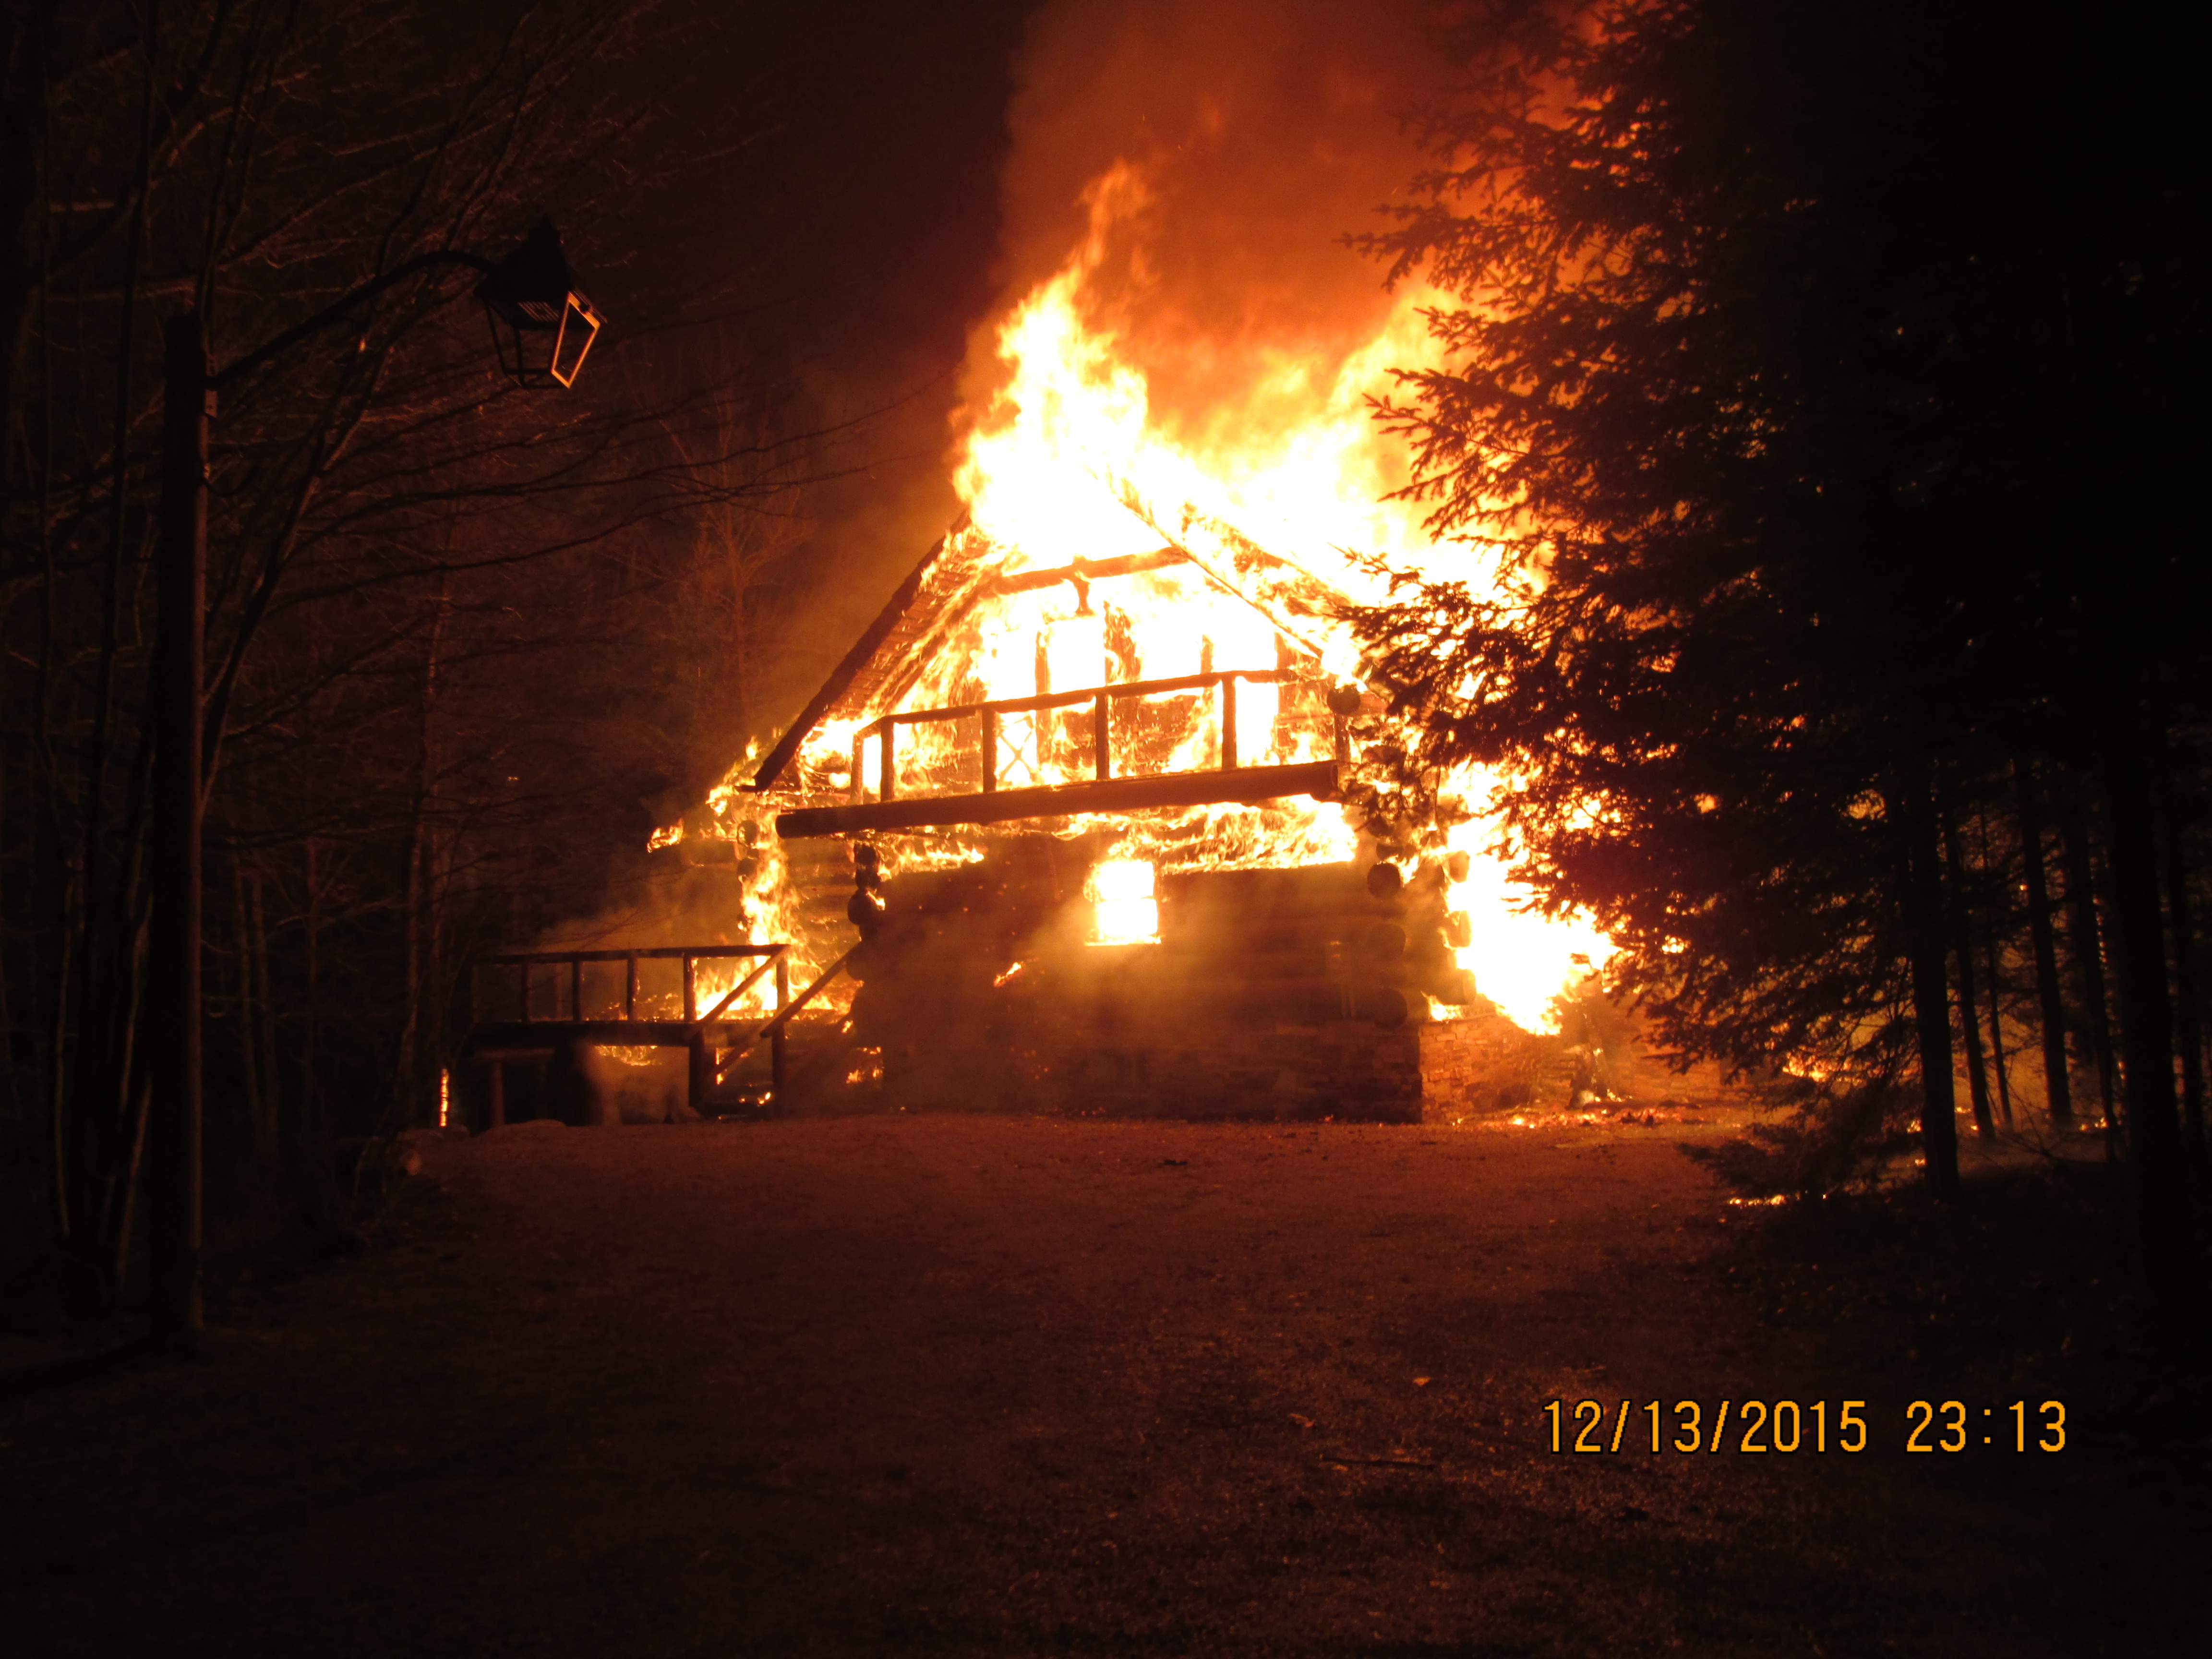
x=774, y=960
x=1101, y=699
x=714, y=1038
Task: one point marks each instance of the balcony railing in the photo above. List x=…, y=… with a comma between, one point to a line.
x=1099, y=699
x=716, y=1039
x=525, y=962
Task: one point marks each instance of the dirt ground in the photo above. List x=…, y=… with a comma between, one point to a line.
x=899, y=1384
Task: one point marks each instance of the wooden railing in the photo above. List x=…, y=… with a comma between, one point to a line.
x=689, y=955
x=714, y=1039
x=1101, y=699
x=774, y=1029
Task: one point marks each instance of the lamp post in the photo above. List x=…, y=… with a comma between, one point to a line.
x=542, y=328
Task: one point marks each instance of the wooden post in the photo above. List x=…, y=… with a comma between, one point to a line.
x=775, y=1043
x=860, y=781
x=1102, y=757
x=990, y=751
x=701, y=1079
x=495, y=1078
x=629, y=989
x=690, y=989
x=1229, y=722
x=891, y=766
x=576, y=989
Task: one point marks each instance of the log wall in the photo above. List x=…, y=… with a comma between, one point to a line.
x=1444, y=1071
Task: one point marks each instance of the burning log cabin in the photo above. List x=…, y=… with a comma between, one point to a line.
x=1077, y=835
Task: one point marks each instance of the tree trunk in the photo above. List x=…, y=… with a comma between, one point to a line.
x=1994, y=974
x=258, y=1014
x=1999, y=1062
x=108, y=1140
x=409, y=1074
x=248, y=1026
x=270, y=1127
x=128, y=1108
x=2189, y=1035
x=64, y=1166
x=1962, y=947
x=2087, y=943
x=1923, y=919
x=2154, y=1127
x=2058, y=1090
x=314, y=1143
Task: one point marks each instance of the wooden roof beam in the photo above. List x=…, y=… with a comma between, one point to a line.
x=1085, y=571
x=1240, y=784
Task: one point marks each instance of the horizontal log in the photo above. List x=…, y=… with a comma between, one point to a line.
x=1114, y=691
x=1302, y=1000
x=1089, y=570
x=607, y=1033
x=1246, y=783
x=1382, y=941
x=1227, y=966
x=1157, y=985
x=644, y=953
x=1331, y=898
x=1221, y=934
x=1225, y=958
x=1300, y=887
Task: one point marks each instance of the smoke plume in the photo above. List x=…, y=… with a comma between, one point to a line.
x=1253, y=135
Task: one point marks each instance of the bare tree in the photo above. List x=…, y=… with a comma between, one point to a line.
x=438, y=606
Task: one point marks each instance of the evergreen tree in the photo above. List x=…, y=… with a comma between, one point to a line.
x=1819, y=382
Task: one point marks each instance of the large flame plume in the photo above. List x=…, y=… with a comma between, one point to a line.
x=1066, y=460
x=1188, y=362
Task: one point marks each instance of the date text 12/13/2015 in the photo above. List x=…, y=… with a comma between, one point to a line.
x=1790, y=1425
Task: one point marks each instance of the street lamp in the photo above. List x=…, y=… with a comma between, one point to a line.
x=542, y=327
x=550, y=328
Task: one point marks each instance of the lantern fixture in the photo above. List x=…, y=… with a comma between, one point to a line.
x=542, y=327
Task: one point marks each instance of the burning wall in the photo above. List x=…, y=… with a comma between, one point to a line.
x=1178, y=389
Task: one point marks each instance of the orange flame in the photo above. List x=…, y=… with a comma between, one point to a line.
x=1066, y=461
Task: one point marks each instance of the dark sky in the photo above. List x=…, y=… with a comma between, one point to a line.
x=1265, y=132
x=834, y=172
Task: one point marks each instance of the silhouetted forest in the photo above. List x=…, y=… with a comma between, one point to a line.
x=461, y=636
x=1828, y=381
